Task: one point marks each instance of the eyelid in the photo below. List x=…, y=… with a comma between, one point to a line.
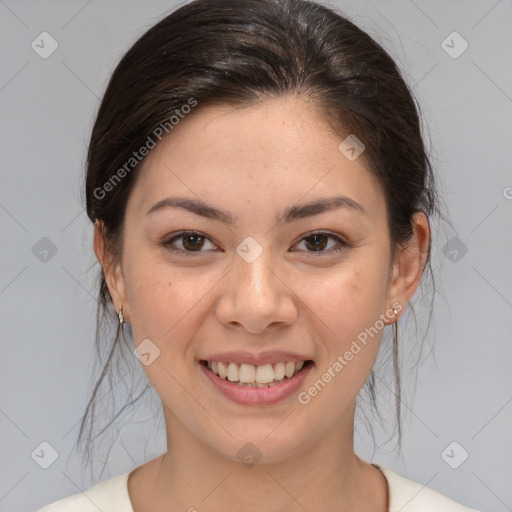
x=342, y=243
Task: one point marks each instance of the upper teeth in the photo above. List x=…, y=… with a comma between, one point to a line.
x=249, y=373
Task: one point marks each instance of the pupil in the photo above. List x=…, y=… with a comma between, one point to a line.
x=193, y=245
x=317, y=245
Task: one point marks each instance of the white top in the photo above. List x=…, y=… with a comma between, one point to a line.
x=112, y=496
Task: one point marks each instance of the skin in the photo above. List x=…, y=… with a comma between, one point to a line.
x=281, y=153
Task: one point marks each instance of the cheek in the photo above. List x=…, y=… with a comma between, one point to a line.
x=166, y=303
x=162, y=305
x=159, y=299
x=347, y=317
x=348, y=299
x=346, y=312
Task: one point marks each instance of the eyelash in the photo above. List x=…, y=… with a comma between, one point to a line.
x=341, y=243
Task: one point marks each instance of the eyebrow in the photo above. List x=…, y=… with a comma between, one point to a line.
x=290, y=214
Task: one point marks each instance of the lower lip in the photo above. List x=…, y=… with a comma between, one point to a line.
x=257, y=396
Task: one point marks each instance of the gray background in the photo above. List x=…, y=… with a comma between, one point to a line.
x=47, y=302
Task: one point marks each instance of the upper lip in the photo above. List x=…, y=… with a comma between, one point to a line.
x=273, y=356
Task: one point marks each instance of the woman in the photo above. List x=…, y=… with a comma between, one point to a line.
x=261, y=199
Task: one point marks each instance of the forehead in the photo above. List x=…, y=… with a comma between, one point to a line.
x=279, y=150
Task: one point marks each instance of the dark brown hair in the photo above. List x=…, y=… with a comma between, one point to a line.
x=241, y=52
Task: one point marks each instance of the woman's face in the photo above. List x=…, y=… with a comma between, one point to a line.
x=257, y=281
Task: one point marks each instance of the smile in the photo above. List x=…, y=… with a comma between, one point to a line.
x=256, y=385
x=250, y=375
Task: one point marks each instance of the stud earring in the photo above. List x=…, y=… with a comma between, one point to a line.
x=121, y=318
x=395, y=311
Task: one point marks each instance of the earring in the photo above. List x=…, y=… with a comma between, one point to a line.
x=395, y=311
x=121, y=318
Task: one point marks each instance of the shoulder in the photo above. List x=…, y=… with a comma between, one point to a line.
x=408, y=496
x=108, y=496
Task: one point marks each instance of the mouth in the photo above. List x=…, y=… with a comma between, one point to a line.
x=256, y=376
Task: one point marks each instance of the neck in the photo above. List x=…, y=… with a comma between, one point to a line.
x=193, y=476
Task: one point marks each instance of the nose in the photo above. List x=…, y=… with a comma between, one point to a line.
x=257, y=294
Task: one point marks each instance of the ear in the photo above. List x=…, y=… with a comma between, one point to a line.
x=408, y=265
x=113, y=272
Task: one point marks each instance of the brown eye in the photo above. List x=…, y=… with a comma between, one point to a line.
x=191, y=242
x=318, y=242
